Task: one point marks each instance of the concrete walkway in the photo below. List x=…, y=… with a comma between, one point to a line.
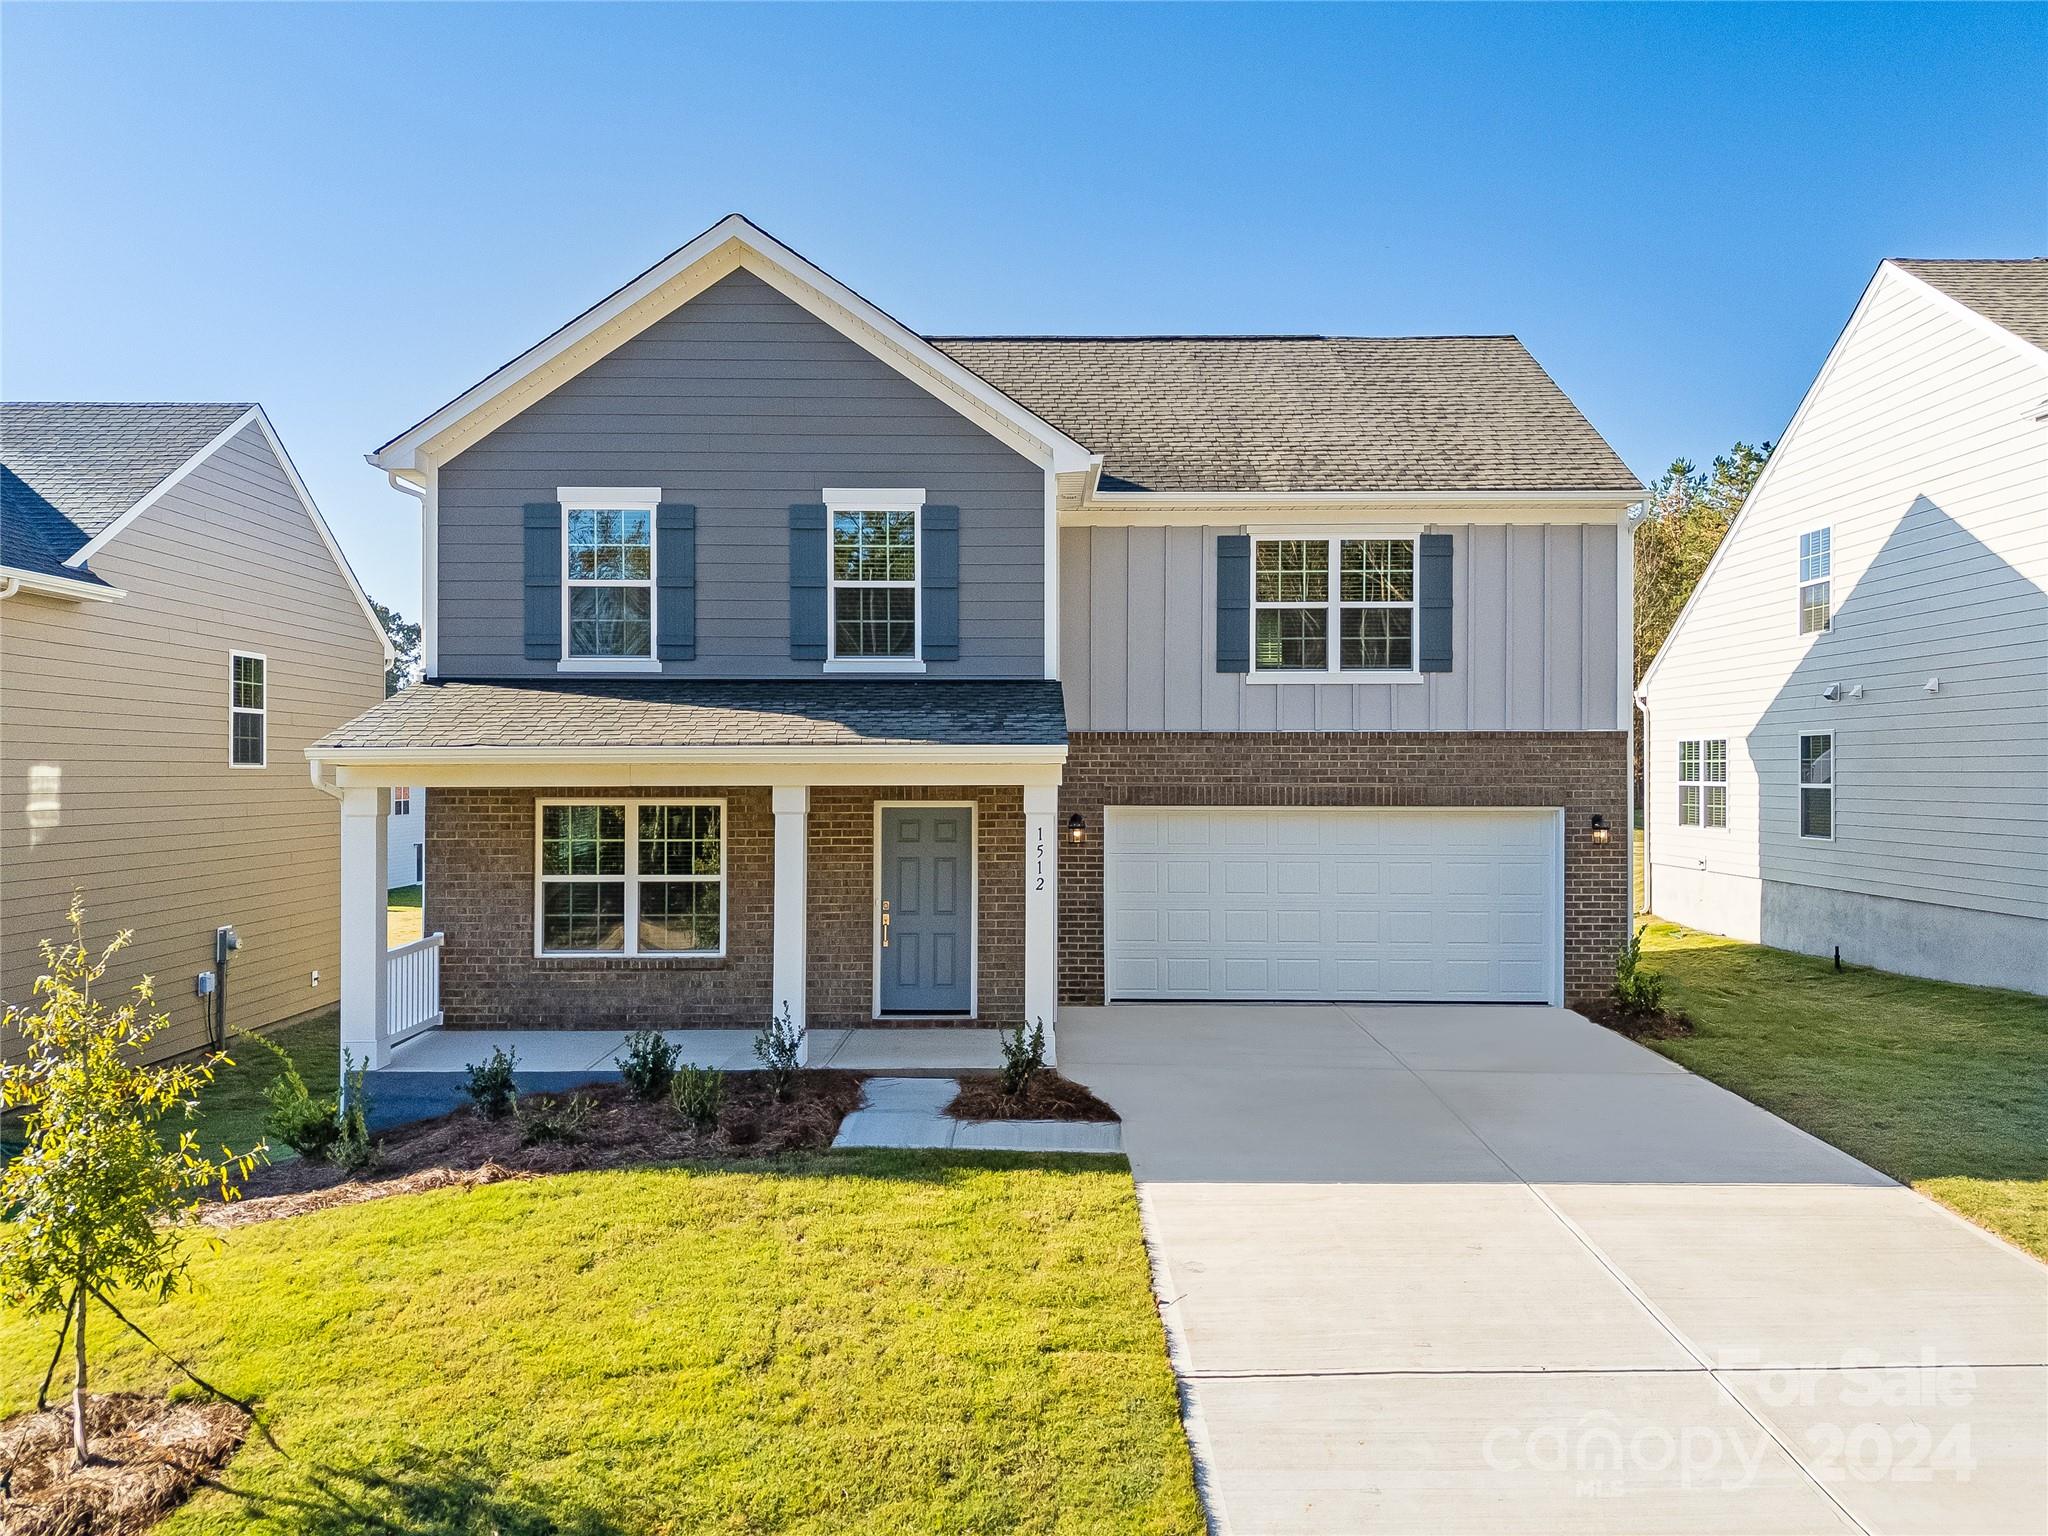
x=909, y=1112
x=1496, y=1269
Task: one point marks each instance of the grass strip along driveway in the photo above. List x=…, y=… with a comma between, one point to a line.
x=1943, y=1087
x=851, y=1342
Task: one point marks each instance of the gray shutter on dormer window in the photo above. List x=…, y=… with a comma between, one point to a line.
x=940, y=580
x=1234, y=603
x=675, y=572
x=808, y=560
x=543, y=548
x=1433, y=602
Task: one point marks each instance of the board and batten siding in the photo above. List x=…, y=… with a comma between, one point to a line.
x=1534, y=633
x=114, y=750
x=744, y=404
x=1923, y=453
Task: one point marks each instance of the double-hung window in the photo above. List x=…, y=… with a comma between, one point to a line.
x=1703, y=783
x=608, y=585
x=401, y=801
x=1333, y=606
x=874, y=593
x=248, y=710
x=1817, y=786
x=630, y=877
x=1816, y=567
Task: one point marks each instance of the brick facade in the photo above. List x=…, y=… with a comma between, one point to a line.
x=1583, y=771
x=480, y=879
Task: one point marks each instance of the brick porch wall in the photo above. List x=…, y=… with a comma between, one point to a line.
x=1583, y=771
x=480, y=858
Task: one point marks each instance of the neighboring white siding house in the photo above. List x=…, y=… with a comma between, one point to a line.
x=406, y=838
x=1847, y=731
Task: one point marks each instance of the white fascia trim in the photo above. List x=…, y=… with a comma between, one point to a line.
x=1126, y=509
x=18, y=580
x=775, y=263
x=255, y=414
x=1038, y=756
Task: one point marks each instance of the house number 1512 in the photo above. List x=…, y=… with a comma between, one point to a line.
x=1040, y=865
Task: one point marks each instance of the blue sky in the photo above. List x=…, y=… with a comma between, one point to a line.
x=351, y=212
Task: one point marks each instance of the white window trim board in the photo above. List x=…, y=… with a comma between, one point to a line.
x=262, y=713
x=632, y=878
x=1702, y=783
x=1335, y=672
x=1800, y=786
x=880, y=499
x=603, y=498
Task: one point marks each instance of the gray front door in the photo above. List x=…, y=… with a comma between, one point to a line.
x=927, y=954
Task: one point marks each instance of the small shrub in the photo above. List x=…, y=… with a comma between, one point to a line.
x=558, y=1121
x=698, y=1094
x=649, y=1064
x=492, y=1088
x=353, y=1149
x=1023, y=1057
x=309, y=1126
x=779, y=1048
x=1637, y=992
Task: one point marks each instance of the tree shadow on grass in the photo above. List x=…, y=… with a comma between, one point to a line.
x=417, y=1493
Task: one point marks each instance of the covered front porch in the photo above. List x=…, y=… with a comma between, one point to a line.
x=891, y=891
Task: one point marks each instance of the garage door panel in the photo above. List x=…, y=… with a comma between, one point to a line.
x=1331, y=903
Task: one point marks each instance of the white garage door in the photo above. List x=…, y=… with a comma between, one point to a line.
x=1393, y=905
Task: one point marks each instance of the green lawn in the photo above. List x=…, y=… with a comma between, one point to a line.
x=852, y=1342
x=1942, y=1087
x=231, y=1107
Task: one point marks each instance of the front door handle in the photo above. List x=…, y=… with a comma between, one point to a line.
x=885, y=925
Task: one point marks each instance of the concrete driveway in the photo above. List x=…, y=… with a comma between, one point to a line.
x=1440, y=1269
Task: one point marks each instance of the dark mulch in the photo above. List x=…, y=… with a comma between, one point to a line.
x=148, y=1455
x=1637, y=1026
x=1047, y=1096
x=462, y=1149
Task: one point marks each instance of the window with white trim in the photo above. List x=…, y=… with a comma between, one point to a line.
x=1703, y=783
x=630, y=877
x=1337, y=605
x=874, y=579
x=1817, y=786
x=248, y=710
x=1816, y=568
x=401, y=801
x=608, y=577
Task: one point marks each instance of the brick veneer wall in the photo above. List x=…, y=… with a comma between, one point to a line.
x=480, y=858
x=1583, y=771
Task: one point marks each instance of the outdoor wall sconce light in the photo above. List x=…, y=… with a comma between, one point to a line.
x=1077, y=829
x=1599, y=828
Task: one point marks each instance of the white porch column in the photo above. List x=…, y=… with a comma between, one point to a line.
x=1041, y=910
x=792, y=908
x=363, y=932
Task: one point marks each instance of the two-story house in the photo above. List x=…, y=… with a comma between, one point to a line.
x=1847, y=729
x=781, y=658
x=177, y=625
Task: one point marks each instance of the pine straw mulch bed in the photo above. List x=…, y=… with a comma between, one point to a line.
x=1638, y=1026
x=461, y=1150
x=148, y=1456
x=1046, y=1096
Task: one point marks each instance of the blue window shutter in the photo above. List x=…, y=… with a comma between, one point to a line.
x=807, y=564
x=1433, y=601
x=1234, y=603
x=675, y=566
x=940, y=579
x=543, y=581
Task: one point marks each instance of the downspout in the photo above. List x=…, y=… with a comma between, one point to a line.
x=1643, y=902
x=9, y=587
x=430, y=575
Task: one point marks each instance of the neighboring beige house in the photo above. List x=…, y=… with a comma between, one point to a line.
x=1847, y=730
x=177, y=625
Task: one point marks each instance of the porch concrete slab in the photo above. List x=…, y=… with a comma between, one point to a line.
x=1037, y=1136
x=1397, y=1277
x=1253, y=1035
x=538, y=1050
x=1631, y=1454
x=895, y=1128
x=1818, y=1275
x=1453, y=1038
x=1666, y=1128
x=1922, y=1451
x=916, y=1050
x=820, y=1044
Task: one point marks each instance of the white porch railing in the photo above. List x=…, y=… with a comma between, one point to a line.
x=412, y=988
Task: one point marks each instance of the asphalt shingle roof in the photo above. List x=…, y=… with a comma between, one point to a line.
x=1304, y=413
x=68, y=470
x=2013, y=294
x=675, y=713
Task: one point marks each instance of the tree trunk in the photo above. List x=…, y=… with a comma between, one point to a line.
x=81, y=1446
